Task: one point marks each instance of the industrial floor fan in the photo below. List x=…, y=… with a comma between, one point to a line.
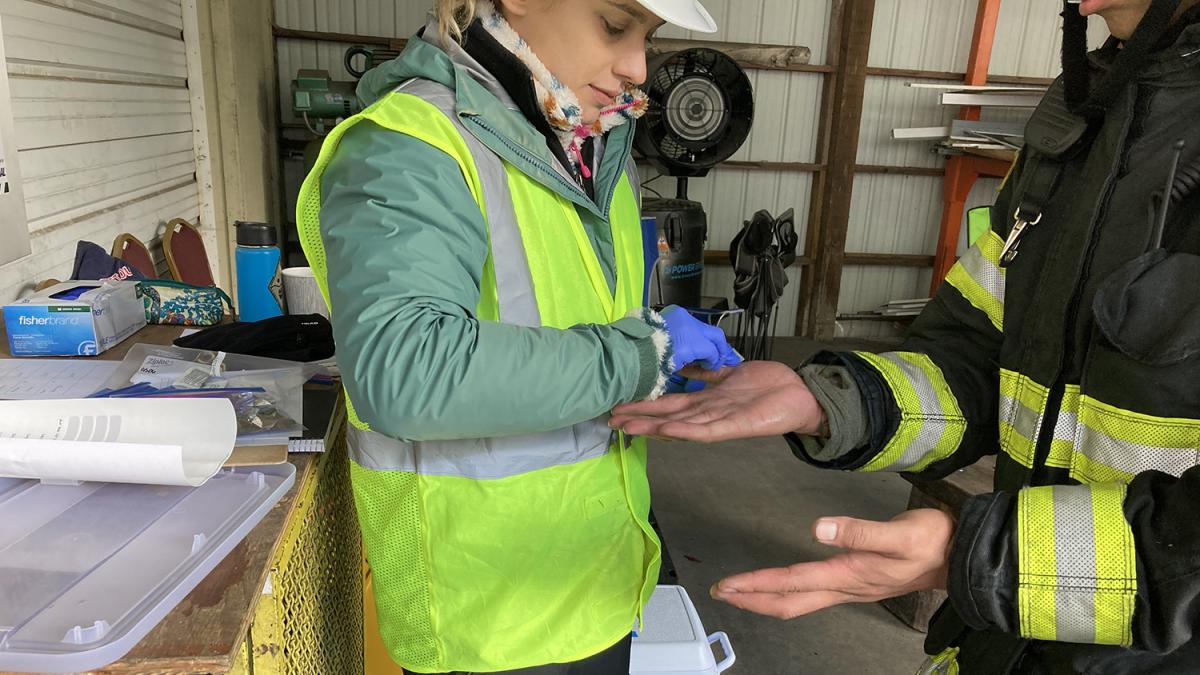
x=701, y=110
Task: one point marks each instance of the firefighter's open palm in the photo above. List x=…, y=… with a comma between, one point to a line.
x=756, y=398
x=878, y=561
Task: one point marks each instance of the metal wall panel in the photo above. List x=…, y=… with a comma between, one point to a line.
x=103, y=126
x=923, y=34
x=787, y=104
x=901, y=214
x=785, y=22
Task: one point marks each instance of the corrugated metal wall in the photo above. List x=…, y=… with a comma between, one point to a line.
x=890, y=214
x=786, y=103
x=103, y=125
x=786, y=119
x=900, y=214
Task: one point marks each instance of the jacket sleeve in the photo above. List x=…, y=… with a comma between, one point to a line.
x=406, y=249
x=1102, y=563
x=932, y=406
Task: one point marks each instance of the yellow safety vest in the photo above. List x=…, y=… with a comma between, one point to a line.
x=504, y=553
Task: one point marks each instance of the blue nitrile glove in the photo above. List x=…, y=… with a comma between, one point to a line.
x=678, y=384
x=697, y=342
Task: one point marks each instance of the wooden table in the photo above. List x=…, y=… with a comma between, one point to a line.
x=207, y=631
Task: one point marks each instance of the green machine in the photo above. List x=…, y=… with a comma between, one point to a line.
x=321, y=101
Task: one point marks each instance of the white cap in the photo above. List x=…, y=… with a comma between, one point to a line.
x=687, y=14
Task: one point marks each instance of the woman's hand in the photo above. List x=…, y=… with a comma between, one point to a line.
x=878, y=561
x=695, y=341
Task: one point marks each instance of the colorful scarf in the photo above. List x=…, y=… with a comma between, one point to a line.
x=559, y=103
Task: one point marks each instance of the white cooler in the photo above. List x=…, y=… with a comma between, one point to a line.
x=673, y=640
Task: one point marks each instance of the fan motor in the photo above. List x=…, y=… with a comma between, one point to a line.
x=701, y=110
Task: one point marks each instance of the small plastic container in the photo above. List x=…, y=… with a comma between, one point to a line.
x=673, y=640
x=87, y=570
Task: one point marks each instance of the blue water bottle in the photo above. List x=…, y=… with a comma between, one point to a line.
x=259, y=278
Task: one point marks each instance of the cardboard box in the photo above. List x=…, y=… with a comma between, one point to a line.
x=75, y=318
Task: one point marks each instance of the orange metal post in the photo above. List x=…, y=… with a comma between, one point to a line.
x=961, y=171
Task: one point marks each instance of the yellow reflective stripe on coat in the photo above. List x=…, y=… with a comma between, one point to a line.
x=1077, y=573
x=1111, y=444
x=931, y=423
x=945, y=663
x=1022, y=410
x=1095, y=441
x=980, y=279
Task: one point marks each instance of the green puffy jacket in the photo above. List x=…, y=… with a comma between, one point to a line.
x=396, y=212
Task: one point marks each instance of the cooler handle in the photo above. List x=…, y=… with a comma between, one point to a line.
x=730, y=657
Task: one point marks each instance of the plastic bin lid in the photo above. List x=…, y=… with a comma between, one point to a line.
x=86, y=571
x=672, y=640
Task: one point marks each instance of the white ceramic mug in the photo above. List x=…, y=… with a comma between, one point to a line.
x=302, y=293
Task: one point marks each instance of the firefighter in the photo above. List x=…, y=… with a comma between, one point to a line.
x=1067, y=343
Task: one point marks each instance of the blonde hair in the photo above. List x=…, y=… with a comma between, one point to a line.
x=454, y=16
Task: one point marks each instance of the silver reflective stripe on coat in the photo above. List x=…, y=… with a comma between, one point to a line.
x=486, y=458
x=1075, y=559
x=930, y=432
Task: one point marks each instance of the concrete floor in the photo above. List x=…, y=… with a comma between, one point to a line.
x=740, y=506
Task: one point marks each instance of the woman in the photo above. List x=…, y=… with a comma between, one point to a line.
x=477, y=232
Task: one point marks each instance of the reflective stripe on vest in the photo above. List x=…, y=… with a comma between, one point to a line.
x=514, y=286
x=931, y=423
x=1097, y=442
x=486, y=458
x=1077, y=570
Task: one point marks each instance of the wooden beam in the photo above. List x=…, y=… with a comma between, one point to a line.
x=788, y=58
x=845, y=102
x=345, y=38
x=751, y=56
x=825, y=126
x=757, y=56
x=808, y=167
x=948, y=76
x=887, y=260
x=801, y=167
x=900, y=170
x=719, y=258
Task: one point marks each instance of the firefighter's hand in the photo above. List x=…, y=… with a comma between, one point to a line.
x=878, y=561
x=757, y=398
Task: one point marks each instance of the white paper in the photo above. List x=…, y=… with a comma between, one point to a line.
x=306, y=445
x=157, y=441
x=29, y=379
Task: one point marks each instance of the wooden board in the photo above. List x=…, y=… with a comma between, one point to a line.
x=257, y=455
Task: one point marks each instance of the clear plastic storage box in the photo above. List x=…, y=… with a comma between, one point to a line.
x=86, y=571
